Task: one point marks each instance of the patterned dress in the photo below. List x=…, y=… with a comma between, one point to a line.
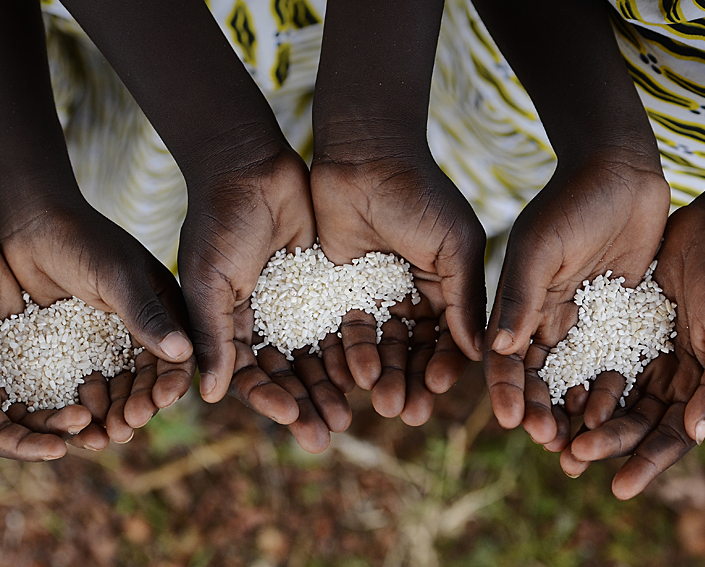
x=483, y=129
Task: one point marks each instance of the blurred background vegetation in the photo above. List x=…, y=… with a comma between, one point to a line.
x=219, y=486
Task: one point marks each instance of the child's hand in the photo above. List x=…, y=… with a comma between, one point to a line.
x=663, y=416
x=608, y=212
x=235, y=223
x=42, y=434
x=61, y=247
x=37, y=436
x=409, y=207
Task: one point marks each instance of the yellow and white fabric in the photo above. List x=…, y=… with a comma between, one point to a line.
x=663, y=43
x=483, y=129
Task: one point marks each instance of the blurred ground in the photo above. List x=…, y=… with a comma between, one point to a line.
x=219, y=486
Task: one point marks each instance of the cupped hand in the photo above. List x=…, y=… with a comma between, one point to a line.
x=58, y=248
x=664, y=416
x=42, y=434
x=235, y=222
x=607, y=211
x=404, y=205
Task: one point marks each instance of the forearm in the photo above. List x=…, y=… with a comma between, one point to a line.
x=181, y=70
x=34, y=161
x=374, y=76
x=565, y=54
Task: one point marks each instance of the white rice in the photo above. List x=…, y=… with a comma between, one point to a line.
x=620, y=329
x=301, y=297
x=46, y=353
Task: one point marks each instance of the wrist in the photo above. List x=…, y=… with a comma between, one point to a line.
x=277, y=178
x=230, y=153
x=625, y=134
x=358, y=141
x=630, y=147
x=27, y=195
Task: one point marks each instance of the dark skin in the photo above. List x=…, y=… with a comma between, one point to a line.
x=665, y=414
x=604, y=208
x=57, y=246
x=40, y=435
x=248, y=197
x=376, y=186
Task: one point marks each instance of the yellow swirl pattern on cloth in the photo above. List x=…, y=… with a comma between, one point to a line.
x=663, y=43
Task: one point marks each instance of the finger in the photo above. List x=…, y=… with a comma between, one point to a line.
x=563, y=431
x=695, y=414
x=447, y=363
x=419, y=399
x=538, y=420
x=329, y=401
x=62, y=423
x=389, y=393
x=605, y=393
x=139, y=406
x=335, y=363
x=173, y=378
x=94, y=395
x=116, y=426
x=505, y=381
x=526, y=275
x=620, y=436
x=21, y=444
x=462, y=267
x=359, y=331
x=135, y=299
x=173, y=381
x=211, y=306
x=663, y=447
x=93, y=437
x=576, y=399
x=571, y=466
x=252, y=385
x=11, y=301
x=309, y=429
x=505, y=377
x=72, y=423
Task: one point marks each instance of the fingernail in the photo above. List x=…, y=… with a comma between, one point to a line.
x=502, y=341
x=479, y=340
x=171, y=403
x=571, y=475
x=126, y=441
x=700, y=432
x=74, y=430
x=174, y=345
x=51, y=457
x=91, y=448
x=207, y=383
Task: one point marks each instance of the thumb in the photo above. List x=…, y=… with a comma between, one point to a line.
x=463, y=288
x=11, y=301
x=143, y=310
x=211, y=304
x=695, y=414
x=526, y=275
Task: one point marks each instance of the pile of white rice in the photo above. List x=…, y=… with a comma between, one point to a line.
x=46, y=352
x=301, y=297
x=620, y=329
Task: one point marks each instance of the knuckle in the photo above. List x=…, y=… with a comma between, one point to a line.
x=152, y=317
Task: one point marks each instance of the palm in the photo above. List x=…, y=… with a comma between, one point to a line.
x=415, y=212
x=661, y=422
x=602, y=215
x=230, y=232
x=70, y=249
